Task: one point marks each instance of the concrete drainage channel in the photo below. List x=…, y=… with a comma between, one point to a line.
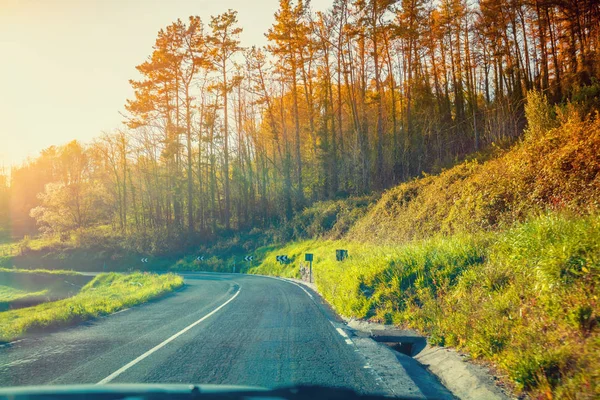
x=464, y=379
x=404, y=342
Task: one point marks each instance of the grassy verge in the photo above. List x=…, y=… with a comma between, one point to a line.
x=526, y=298
x=26, y=288
x=40, y=271
x=10, y=294
x=105, y=294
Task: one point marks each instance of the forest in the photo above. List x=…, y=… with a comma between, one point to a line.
x=352, y=101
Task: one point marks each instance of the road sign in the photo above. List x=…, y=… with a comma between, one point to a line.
x=144, y=260
x=200, y=258
x=309, y=257
x=341, y=255
x=282, y=259
x=248, y=258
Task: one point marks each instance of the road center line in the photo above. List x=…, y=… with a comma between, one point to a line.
x=161, y=345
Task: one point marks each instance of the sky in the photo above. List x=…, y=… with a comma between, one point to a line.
x=65, y=65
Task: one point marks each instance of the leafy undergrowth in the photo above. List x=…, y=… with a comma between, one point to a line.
x=105, y=294
x=324, y=219
x=525, y=298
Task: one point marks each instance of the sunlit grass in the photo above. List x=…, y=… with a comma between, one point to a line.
x=526, y=298
x=9, y=294
x=40, y=271
x=105, y=294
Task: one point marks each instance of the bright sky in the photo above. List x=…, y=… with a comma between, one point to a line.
x=65, y=64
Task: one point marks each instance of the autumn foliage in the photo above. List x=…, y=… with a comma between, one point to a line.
x=354, y=99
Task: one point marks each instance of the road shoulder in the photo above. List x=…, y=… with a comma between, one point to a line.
x=464, y=379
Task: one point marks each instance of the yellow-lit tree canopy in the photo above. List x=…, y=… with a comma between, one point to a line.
x=358, y=98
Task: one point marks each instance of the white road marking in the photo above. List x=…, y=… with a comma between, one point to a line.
x=120, y=311
x=161, y=345
x=300, y=286
x=344, y=335
x=262, y=276
x=288, y=281
x=341, y=332
x=11, y=343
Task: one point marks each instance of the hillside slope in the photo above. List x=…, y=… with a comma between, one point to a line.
x=555, y=167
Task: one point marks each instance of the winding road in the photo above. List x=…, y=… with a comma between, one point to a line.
x=218, y=329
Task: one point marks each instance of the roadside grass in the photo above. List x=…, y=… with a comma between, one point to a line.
x=526, y=298
x=105, y=294
x=10, y=294
x=24, y=288
x=40, y=271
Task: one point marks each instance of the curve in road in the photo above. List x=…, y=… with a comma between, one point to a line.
x=219, y=329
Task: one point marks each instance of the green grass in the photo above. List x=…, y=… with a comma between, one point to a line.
x=105, y=294
x=12, y=248
x=40, y=271
x=526, y=298
x=9, y=294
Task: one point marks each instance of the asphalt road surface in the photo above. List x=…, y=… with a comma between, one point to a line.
x=218, y=329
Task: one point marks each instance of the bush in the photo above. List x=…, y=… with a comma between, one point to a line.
x=24, y=245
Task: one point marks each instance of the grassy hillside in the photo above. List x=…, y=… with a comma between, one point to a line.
x=555, y=167
x=105, y=294
x=100, y=249
x=94, y=250
x=500, y=259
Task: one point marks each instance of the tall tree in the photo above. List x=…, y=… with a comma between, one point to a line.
x=224, y=44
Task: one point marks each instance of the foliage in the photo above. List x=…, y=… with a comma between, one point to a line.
x=329, y=219
x=105, y=294
x=500, y=258
x=356, y=98
x=65, y=208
